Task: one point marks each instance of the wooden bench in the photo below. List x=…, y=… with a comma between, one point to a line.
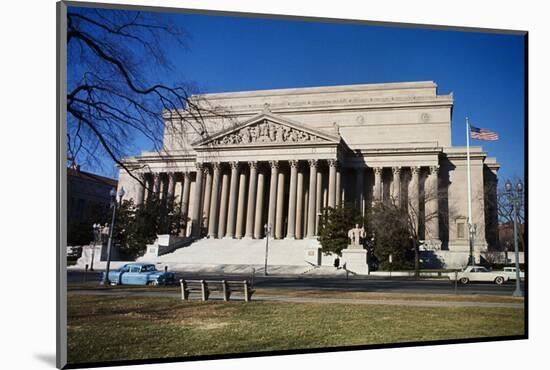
x=226, y=287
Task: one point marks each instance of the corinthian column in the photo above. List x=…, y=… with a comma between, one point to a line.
x=223, y=205
x=413, y=203
x=140, y=189
x=196, y=215
x=185, y=195
x=171, y=185
x=311, y=213
x=432, y=204
x=396, y=185
x=240, y=205
x=207, y=195
x=377, y=191
x=280, y=205
x=292, y=200
x=360, y=189
x=258, y=225
x=156, y=183
x=318, y=199
x=251, y=206
x=232, y=199
x=273, y=192
x=213, y=219
x=300, y=205
x=332, y=183
x=338, y=185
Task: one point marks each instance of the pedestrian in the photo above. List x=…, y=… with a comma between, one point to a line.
x=337, y=262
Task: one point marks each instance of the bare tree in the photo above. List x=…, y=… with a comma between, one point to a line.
x=113, y=58
x=412, y=215
x=505, y=212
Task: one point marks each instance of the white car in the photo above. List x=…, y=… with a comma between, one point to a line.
x=479, y=273
x=511, y=273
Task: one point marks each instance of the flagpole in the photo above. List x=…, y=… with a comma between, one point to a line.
x=470, y=224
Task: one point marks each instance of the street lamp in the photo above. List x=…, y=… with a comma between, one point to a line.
x=472, y=234
x=97, y=235
x=267, y=229
x=121, y=193
x=515, y=197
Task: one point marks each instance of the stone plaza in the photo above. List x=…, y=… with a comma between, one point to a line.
x=279, y=157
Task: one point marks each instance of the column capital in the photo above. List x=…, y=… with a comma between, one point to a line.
x=274, y=164
x=293, y=163
x=253, y=164
x=206, y=170
x=396, y=170
x=199, y=166
x=215, y=165
x=185, y=174
x=378, y=170
x=415, y=170
x=312, y=162
x=332, y=162
x=434, y=170
x=234, y=165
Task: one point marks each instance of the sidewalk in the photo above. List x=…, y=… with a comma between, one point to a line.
x=276, y=298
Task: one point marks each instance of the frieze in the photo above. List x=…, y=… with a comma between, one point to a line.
x=356, y=100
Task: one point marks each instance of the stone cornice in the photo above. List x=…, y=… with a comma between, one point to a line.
x=325, y=89
x=334, y=105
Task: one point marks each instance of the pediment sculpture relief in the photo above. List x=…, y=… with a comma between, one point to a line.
x=266, y=132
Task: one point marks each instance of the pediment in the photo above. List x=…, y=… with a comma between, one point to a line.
x=268, y=129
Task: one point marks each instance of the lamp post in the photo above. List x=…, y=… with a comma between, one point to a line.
x=514, y=197
x=97, y=236
x=267, y=229
x=472, y=234
x=121, y=193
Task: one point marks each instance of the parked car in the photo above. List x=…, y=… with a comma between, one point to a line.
x=140, y=274
x=511, y=273
x=479, y=273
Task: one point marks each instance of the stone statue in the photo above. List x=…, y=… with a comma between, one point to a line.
x=355, y=235
x=245, y=135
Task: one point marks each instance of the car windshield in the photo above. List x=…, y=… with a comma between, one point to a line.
x=148, y=268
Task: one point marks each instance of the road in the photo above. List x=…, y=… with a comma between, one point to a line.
x=355, y=284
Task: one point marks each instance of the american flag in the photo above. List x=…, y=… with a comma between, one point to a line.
x=482, y=134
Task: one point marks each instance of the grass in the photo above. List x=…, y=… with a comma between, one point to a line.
x=309, y=293
x=106, y=328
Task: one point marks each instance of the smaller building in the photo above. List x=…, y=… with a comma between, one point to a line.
x=506, y=236
x=88, y=201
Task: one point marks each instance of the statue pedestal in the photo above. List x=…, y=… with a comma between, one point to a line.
x=355, y=260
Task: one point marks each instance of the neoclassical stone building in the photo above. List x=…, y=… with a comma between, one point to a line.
x=279, y=157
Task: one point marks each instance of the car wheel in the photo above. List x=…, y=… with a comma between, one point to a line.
x=154, y=283
x=464, y=280
x=499, y=280
x=113, y=283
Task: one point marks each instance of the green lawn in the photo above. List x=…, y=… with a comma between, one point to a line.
x=114, y=328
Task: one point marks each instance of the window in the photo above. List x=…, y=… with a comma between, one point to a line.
x=134, y=269
x=460, y=232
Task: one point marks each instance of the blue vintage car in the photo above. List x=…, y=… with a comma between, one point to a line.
x=140, y=274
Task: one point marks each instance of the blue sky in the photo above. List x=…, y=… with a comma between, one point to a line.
x=484, y=71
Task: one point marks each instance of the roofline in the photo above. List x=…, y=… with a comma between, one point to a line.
x=321, y=89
